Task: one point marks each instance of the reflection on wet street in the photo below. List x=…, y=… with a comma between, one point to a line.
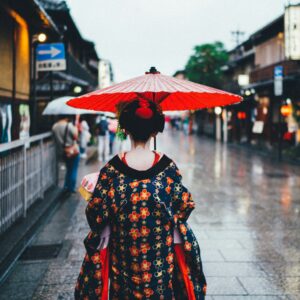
x=246, y=220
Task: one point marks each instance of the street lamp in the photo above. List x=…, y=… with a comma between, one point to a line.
x=42, y=37
x=36, y=38
x=248, y=93
x=77, y=89
x=218, y=111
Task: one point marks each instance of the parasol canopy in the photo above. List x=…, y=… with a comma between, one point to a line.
x=171, y=93
x=59, y=107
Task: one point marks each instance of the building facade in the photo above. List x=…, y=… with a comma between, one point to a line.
x=19, y=22
x=82, y=61
x=24, y=92
x=265, y=70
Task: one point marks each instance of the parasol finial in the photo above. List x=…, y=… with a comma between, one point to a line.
x=152, y=71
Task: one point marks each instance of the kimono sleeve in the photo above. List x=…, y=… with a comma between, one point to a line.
x=182, y=200
x=98, y=209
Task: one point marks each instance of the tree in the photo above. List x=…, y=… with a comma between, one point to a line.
x=204, y=66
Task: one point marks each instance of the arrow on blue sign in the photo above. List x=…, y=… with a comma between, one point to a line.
x=53, y=52
x=278, y=71
x=50, y=51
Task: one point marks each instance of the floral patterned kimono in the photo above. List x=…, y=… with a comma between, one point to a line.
x=142, y=209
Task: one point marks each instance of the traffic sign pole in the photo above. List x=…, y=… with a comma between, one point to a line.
x=34, y=104
x=51, y=85
x=278, y=91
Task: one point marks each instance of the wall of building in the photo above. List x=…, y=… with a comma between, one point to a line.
x=14, y=76
x=15, y=56
x=270, y=52
x=22, y=41
x=6, y=53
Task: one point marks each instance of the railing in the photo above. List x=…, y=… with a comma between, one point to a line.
x=27, y=169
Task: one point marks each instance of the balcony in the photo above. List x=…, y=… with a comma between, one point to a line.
x=290, y=67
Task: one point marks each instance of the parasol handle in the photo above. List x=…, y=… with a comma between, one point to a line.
x=155, y=143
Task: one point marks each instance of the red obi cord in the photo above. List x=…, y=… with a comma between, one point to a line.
x=104, y=256
x=184, y=271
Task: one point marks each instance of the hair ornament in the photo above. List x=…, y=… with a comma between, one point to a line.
x=144, y=111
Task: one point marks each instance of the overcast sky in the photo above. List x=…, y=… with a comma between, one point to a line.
x=137, y=34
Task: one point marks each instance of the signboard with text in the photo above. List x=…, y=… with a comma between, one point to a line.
x=50, y=57
x=292, y=32
x=278, y=80
x=258, y=127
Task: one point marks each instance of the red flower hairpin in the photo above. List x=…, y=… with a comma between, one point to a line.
x=144, y=111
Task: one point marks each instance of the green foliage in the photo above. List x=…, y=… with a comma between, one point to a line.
x=204, y=66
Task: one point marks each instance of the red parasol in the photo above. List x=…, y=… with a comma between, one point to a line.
x=170, y=92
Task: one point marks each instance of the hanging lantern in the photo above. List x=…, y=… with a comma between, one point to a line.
x=286, y=110
x=241, y=115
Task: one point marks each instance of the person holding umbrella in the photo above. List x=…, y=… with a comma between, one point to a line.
x=139, y=202
x=140, y=195
x=66, y=137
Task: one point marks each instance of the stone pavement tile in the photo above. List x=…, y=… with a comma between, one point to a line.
x=27, y=271
x=19, y=291
x=253, y=244
x=290, y=254
x=294, y=297
x=251, y=298
x=224, y=286
x=281, y=269
x=220, y=225
x=292, y=285
x=61, y=273
x=77, y=251
x=211, y=255
x=219, y=244
x=79, y=234
x=54, y=292
x=230, y=234
x=264, y=286
x=200, y=234
x=229, y=269
x=248, y=255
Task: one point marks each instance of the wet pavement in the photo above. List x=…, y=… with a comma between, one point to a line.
x=246, y=220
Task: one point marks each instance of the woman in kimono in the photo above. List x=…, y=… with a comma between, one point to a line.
x=139, y=198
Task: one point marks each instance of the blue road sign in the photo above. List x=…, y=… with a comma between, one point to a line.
x=278, y=80
x=50, y=57
x=278, y=71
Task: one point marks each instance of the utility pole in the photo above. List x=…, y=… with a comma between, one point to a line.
x=237, y=36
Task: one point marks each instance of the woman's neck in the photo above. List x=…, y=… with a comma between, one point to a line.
x=140, y=157
x=139, y=147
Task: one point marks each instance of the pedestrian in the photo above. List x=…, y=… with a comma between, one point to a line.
x=140, y=202
x=102, y=132
x=84, y=138
x=186, y=125
x=66, y=135
x=112, y=128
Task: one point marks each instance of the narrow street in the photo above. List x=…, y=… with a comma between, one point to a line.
x=246, y=220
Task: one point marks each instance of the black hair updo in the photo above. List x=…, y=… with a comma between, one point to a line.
x=141, y=119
